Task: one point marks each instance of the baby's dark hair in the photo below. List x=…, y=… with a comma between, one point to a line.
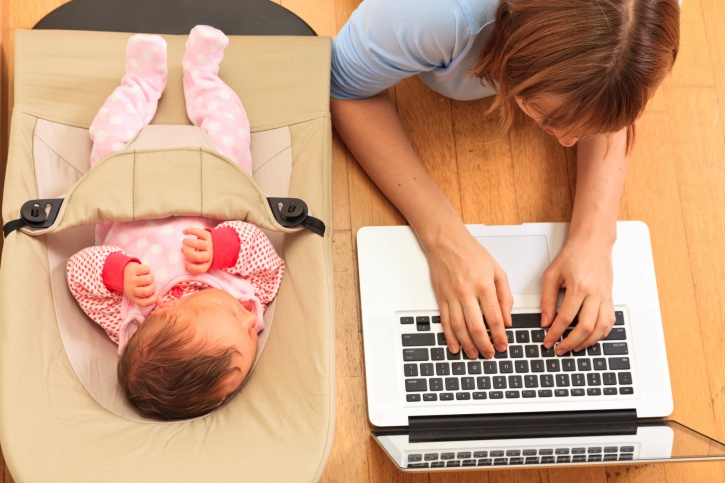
x=168, y=375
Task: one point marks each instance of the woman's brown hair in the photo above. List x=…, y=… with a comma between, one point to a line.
x=603, y=58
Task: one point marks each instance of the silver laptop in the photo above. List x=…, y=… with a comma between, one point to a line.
x=435, y=410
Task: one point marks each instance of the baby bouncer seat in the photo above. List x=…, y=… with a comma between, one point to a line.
x=62, y=416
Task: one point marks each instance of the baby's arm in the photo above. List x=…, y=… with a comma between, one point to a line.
x=256, y=260
x=90, y=274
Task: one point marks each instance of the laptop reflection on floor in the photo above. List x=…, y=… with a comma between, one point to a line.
x=435, y=410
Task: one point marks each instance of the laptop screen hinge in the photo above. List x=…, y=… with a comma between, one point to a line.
x=522, y=425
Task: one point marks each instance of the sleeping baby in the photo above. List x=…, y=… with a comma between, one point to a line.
x=183, y=297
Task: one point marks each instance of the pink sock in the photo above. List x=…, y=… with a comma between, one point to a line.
x=210, y=103
x=132, y=104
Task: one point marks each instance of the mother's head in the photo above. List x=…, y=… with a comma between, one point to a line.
x=580, y=67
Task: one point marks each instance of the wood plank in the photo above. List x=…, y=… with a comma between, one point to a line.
x=693, y=66
x=713, y=12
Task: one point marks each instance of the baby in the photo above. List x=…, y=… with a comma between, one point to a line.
x=183, y=297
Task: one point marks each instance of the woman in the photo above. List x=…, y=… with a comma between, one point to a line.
x=582, y=69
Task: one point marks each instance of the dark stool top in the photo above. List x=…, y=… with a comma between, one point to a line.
x=176, y=17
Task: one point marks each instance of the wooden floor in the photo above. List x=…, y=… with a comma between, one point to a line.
x=675, y=184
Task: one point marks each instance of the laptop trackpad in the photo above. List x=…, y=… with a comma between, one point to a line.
x=523, y=258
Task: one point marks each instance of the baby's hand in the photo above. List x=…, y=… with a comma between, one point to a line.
x=139, y=285
x=198, y=250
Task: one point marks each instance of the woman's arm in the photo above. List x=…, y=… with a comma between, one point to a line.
x=465, y=277
x=584, y=265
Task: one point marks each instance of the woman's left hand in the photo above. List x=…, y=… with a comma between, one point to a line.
x=584, y=270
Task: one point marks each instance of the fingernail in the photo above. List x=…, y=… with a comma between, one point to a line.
x=453, y=349
x=500, y=347
x=488, y=355
x=544, y=320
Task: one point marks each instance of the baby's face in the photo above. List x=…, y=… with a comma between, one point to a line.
x=222, y=321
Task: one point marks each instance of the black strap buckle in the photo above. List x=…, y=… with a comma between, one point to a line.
x=293, y=212
x=35, y=213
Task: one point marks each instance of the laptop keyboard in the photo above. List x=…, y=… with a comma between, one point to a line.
x=525, y=371
x=522, y=456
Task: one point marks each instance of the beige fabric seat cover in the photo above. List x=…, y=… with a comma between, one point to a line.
x=61, y=418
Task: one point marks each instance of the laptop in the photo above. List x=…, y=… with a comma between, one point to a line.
x=437, y=411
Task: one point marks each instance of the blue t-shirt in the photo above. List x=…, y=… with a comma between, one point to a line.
x=385, y=41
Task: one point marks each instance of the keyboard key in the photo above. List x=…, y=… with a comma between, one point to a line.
x=531, y=351
x=448, y=456
x=522, y=337
x=577, y=392
x=609, y=378
x=490, y=367
x=480, y=454
x=563, y=459
x=547, y=380
x=559, y=451
x=406, y=320
x=532, y=460
x=580, y=353
x=417, y=465
x=483, y=382
x=436, y=384
x=600, y=364
x=453, y=463
x=545, y=393
x=422, y=319
x=546, y=451
x=506, y=367
x=593, y=379
x=463, y=396
x=438, y=354
x=626, y=390
x=430, y=397
x=526, y=321
x=513, y=452
x=410, y=370
x=618, y=317
x=416, y=385
x=594, y=391
x=458, y=368
x=516, y=461
x=562, y=380
x=510, y=336
x=624, y=378
x=485, y=462
x=465, y=356
x=426, y=369
x=615, y=349
x=610, y=391
x=496, y=454
x=479, y=395
x=552, y=365
x=500, y=462
x=516, y=382
x=577, y=379
x=446, y=396
x=577, y=458
x=521, y=366
x=415, y=458
x=452, y=384
x=468, y=384
x=528, y=394
x=423, y=327
x=595, y=457
x=594, y=449
x=516, y=351
x=529, y=452
x=469, y=462
x=626, y=457
x=547, y=352
x=538, y=366
x=501, y=355
x=412, y=397
x=611, y=449
x=499, y=382
x=451, y=356
x=547, y=460
x=578, y=450
x=512, y=394
x=436, y=319
x=538, y=335
x=443, y=369
x=595, y=350
x=474, y=368
x=495, y=395
x=626, y=449
x=441, y=337
x=584, y=364
x=531, y=381
x=561, y=392
x=430, y=456
x=568, y=365
x=617, y=333
x=619, y=363
x=410, y=355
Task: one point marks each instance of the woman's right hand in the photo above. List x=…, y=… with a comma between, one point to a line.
x=467, y=280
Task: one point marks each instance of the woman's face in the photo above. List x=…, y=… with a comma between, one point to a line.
x=546, y=104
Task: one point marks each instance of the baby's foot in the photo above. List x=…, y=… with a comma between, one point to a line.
x=146, y=60
x=204, y=48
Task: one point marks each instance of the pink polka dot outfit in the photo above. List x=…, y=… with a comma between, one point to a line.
x=245, y=264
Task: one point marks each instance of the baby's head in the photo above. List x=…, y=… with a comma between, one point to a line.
x=190, y=356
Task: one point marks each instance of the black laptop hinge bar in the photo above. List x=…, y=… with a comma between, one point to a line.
x=35, y=213
x=517, y=425
x=293, y=212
